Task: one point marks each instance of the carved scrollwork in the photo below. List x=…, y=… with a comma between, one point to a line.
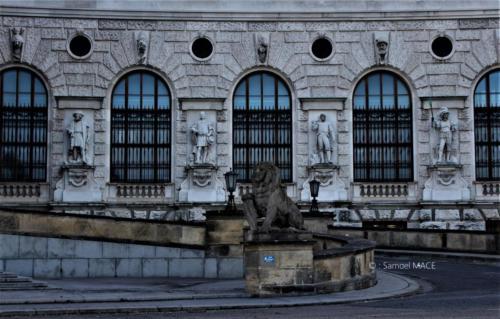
x=202, y=178
x=77, y=178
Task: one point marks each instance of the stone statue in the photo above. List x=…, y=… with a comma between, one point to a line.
x=79, y=140
x=446, y=129
x=325, y=137
x=142, y=45
x=262, y=47
x=270, y=201
x=381, y=47
x=203, y=134
x=17, y=40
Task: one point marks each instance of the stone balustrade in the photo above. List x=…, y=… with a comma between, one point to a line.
x=489, y=190
x=146, y=192
x=14, y=192
x=384, y=191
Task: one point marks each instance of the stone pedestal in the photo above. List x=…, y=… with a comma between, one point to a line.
x=77, y=184
x=278, y=262
x=202, y=185
x=446, y=184
x=331, y=188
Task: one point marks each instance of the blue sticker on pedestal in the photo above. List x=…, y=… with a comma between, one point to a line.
x=269, y=259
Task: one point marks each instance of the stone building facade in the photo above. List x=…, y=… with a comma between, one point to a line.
x=321, y=78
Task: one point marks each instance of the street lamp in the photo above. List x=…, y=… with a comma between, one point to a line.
x=314, y=188
x=230, y=178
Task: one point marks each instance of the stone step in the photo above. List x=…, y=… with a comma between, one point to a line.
x=11, y=281
x=7, y=275
x=14, y=279
x=22, y=285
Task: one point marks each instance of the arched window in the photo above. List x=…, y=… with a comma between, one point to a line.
x=262, y=125
x=487, y=126
x=23, y=127
x=140, y=129
x=382, y=121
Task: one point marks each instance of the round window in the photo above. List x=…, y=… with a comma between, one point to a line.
x=80, y=46
x=442, y=47
x=202, y=48
x=322, y=48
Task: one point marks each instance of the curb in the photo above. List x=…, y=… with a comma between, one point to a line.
x=466, y=257
x=410, y=287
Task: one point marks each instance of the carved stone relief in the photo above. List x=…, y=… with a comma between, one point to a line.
x=79, y=140
x=142, y=44
x=322, y=140
x=202, y=185
x=262, y=46
x=17, y=42
x=201, y=146
x=381, y=40
x=446, y=184
x=445, y=148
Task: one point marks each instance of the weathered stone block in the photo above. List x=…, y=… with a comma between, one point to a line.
x=21, y=267
x=88, y=249
x=115, y=250
x=490, y=213
x=230, y=268
x=9, y=246
x=167, y=252
x=47, y=268
x=32, y=247
x=447, y=214
x=141, y=251
x=472, y=214
x=155, y=267
x=401, y=214
x=102, y=267
x=192, y=253
x=75, y=268
x=129, y=267
x=187, y=267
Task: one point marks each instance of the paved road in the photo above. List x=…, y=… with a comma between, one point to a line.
x=449, y=290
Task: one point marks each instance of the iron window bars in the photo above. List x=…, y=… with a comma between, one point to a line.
x=141, y=129
x=262, y=125
x=487, y=127
x=382, y=122
x=23, y=127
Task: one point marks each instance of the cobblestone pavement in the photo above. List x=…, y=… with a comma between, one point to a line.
x=449, y=289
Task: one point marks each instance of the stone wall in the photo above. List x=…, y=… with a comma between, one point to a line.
x=317, y=86
x=49, y=257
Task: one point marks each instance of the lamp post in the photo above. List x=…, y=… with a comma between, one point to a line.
x=230, y=178
x=314, y=188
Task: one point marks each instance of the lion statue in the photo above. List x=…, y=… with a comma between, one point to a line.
x=270, y=201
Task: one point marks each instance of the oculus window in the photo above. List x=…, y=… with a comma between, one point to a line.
x=23, y=127
x=262, y=125
x=141, y=129
x=487, y=126
x=382, y=123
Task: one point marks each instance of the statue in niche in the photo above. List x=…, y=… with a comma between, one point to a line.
x=203, y=134
x=446, y=129
x=262, y=48
x=381, y=47
x=17, y=40
x=142, y=45
x=270, y=202
x=325, y=138
x=79, y=140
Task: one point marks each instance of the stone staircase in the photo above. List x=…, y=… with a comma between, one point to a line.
x=11, y=281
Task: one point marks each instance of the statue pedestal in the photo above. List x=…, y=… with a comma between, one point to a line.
x=77, y=184
x=202, y=185
x=331, y=188
x=446, y=184
x=278, y=262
